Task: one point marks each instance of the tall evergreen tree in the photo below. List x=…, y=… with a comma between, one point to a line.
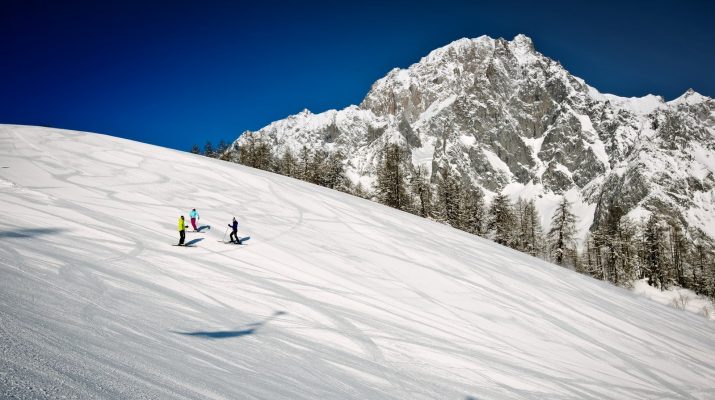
x=449, y=196
x=678, y=249
x=609, y=238
x=562, y=233
x=247, y=150
x=288, y=165
x=304, y=161
x=359, y=191
x=262, y=157
x=655, y=249
x=502, y=225
x=334, y=172
x=195, y=149
x=422, y=191
x=390, y=187
x=221, y=149
x=591, y=261
x=316, y=167
x=209, y=149
x=703, y=264
x=472, y=212
x=529, y=224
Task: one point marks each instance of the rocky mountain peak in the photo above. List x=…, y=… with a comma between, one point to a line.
x=508, y=119
x=689, y=97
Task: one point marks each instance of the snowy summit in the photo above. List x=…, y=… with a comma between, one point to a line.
x=507, y=119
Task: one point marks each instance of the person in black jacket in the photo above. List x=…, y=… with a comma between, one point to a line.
x=234, y=234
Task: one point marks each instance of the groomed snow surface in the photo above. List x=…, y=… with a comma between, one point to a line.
x=334, y=297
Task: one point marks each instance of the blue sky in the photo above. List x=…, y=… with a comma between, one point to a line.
x=181, y=72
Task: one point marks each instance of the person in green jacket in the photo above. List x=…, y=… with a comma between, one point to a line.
x=182, y=231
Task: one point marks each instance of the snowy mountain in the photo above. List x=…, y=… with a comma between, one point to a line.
x=509, y=119
x=333, y=296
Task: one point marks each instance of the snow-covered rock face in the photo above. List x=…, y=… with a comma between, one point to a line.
x=505, y=116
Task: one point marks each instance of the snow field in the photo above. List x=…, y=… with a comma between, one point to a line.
x=333, y=297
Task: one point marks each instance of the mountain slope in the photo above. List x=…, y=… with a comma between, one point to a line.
x=509, y=119
x=333, y=297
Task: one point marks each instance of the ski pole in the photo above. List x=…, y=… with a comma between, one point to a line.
x=224, y=235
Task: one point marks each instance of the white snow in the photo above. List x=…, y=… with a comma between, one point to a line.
x=496, y=162
x=690, y=97
x=702, y=214
x=677, y=297
x=333, y=296
x=639, y=214
x=523, y=49
x=402, y=76
x=637, y=105
x=467, y=140
x=435, y=108
x=535, y=144
x=563, y=169
x=598, y=148
x=423, y=156
x=705, y=158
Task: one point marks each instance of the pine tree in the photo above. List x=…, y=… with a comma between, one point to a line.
x=590, y=261
x=288, y=165
x=678, y=249
x=209, y=149
x=609, y=238
x=655, y=252
x=472, y=213
x=359, y=191
x=334, y=172
x=630, y=263
x=562, y=233
x=502, y=224
x=195, y=149
x=519, y=209
x=221, y=149
x=247, y=150
x=316, y=167
x=390, y=187
x=448, y=197
x=262, y=157
x=422, y=191
x=530, y=232
x=304, y=160
x=703, y=264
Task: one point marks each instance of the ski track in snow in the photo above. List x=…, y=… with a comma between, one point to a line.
x=333, y=297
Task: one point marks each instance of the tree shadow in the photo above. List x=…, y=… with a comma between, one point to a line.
x=30, y=232
x=249, y=330
x=193, y=241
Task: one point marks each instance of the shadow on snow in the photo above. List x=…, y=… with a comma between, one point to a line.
x=249, y=330
x=193, y=241
x=29, y=232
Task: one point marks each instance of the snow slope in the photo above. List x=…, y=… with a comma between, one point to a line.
x=333, y=297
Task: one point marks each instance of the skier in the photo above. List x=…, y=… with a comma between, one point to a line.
x=194, y=217
x=234, y=233
x=182, y=231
